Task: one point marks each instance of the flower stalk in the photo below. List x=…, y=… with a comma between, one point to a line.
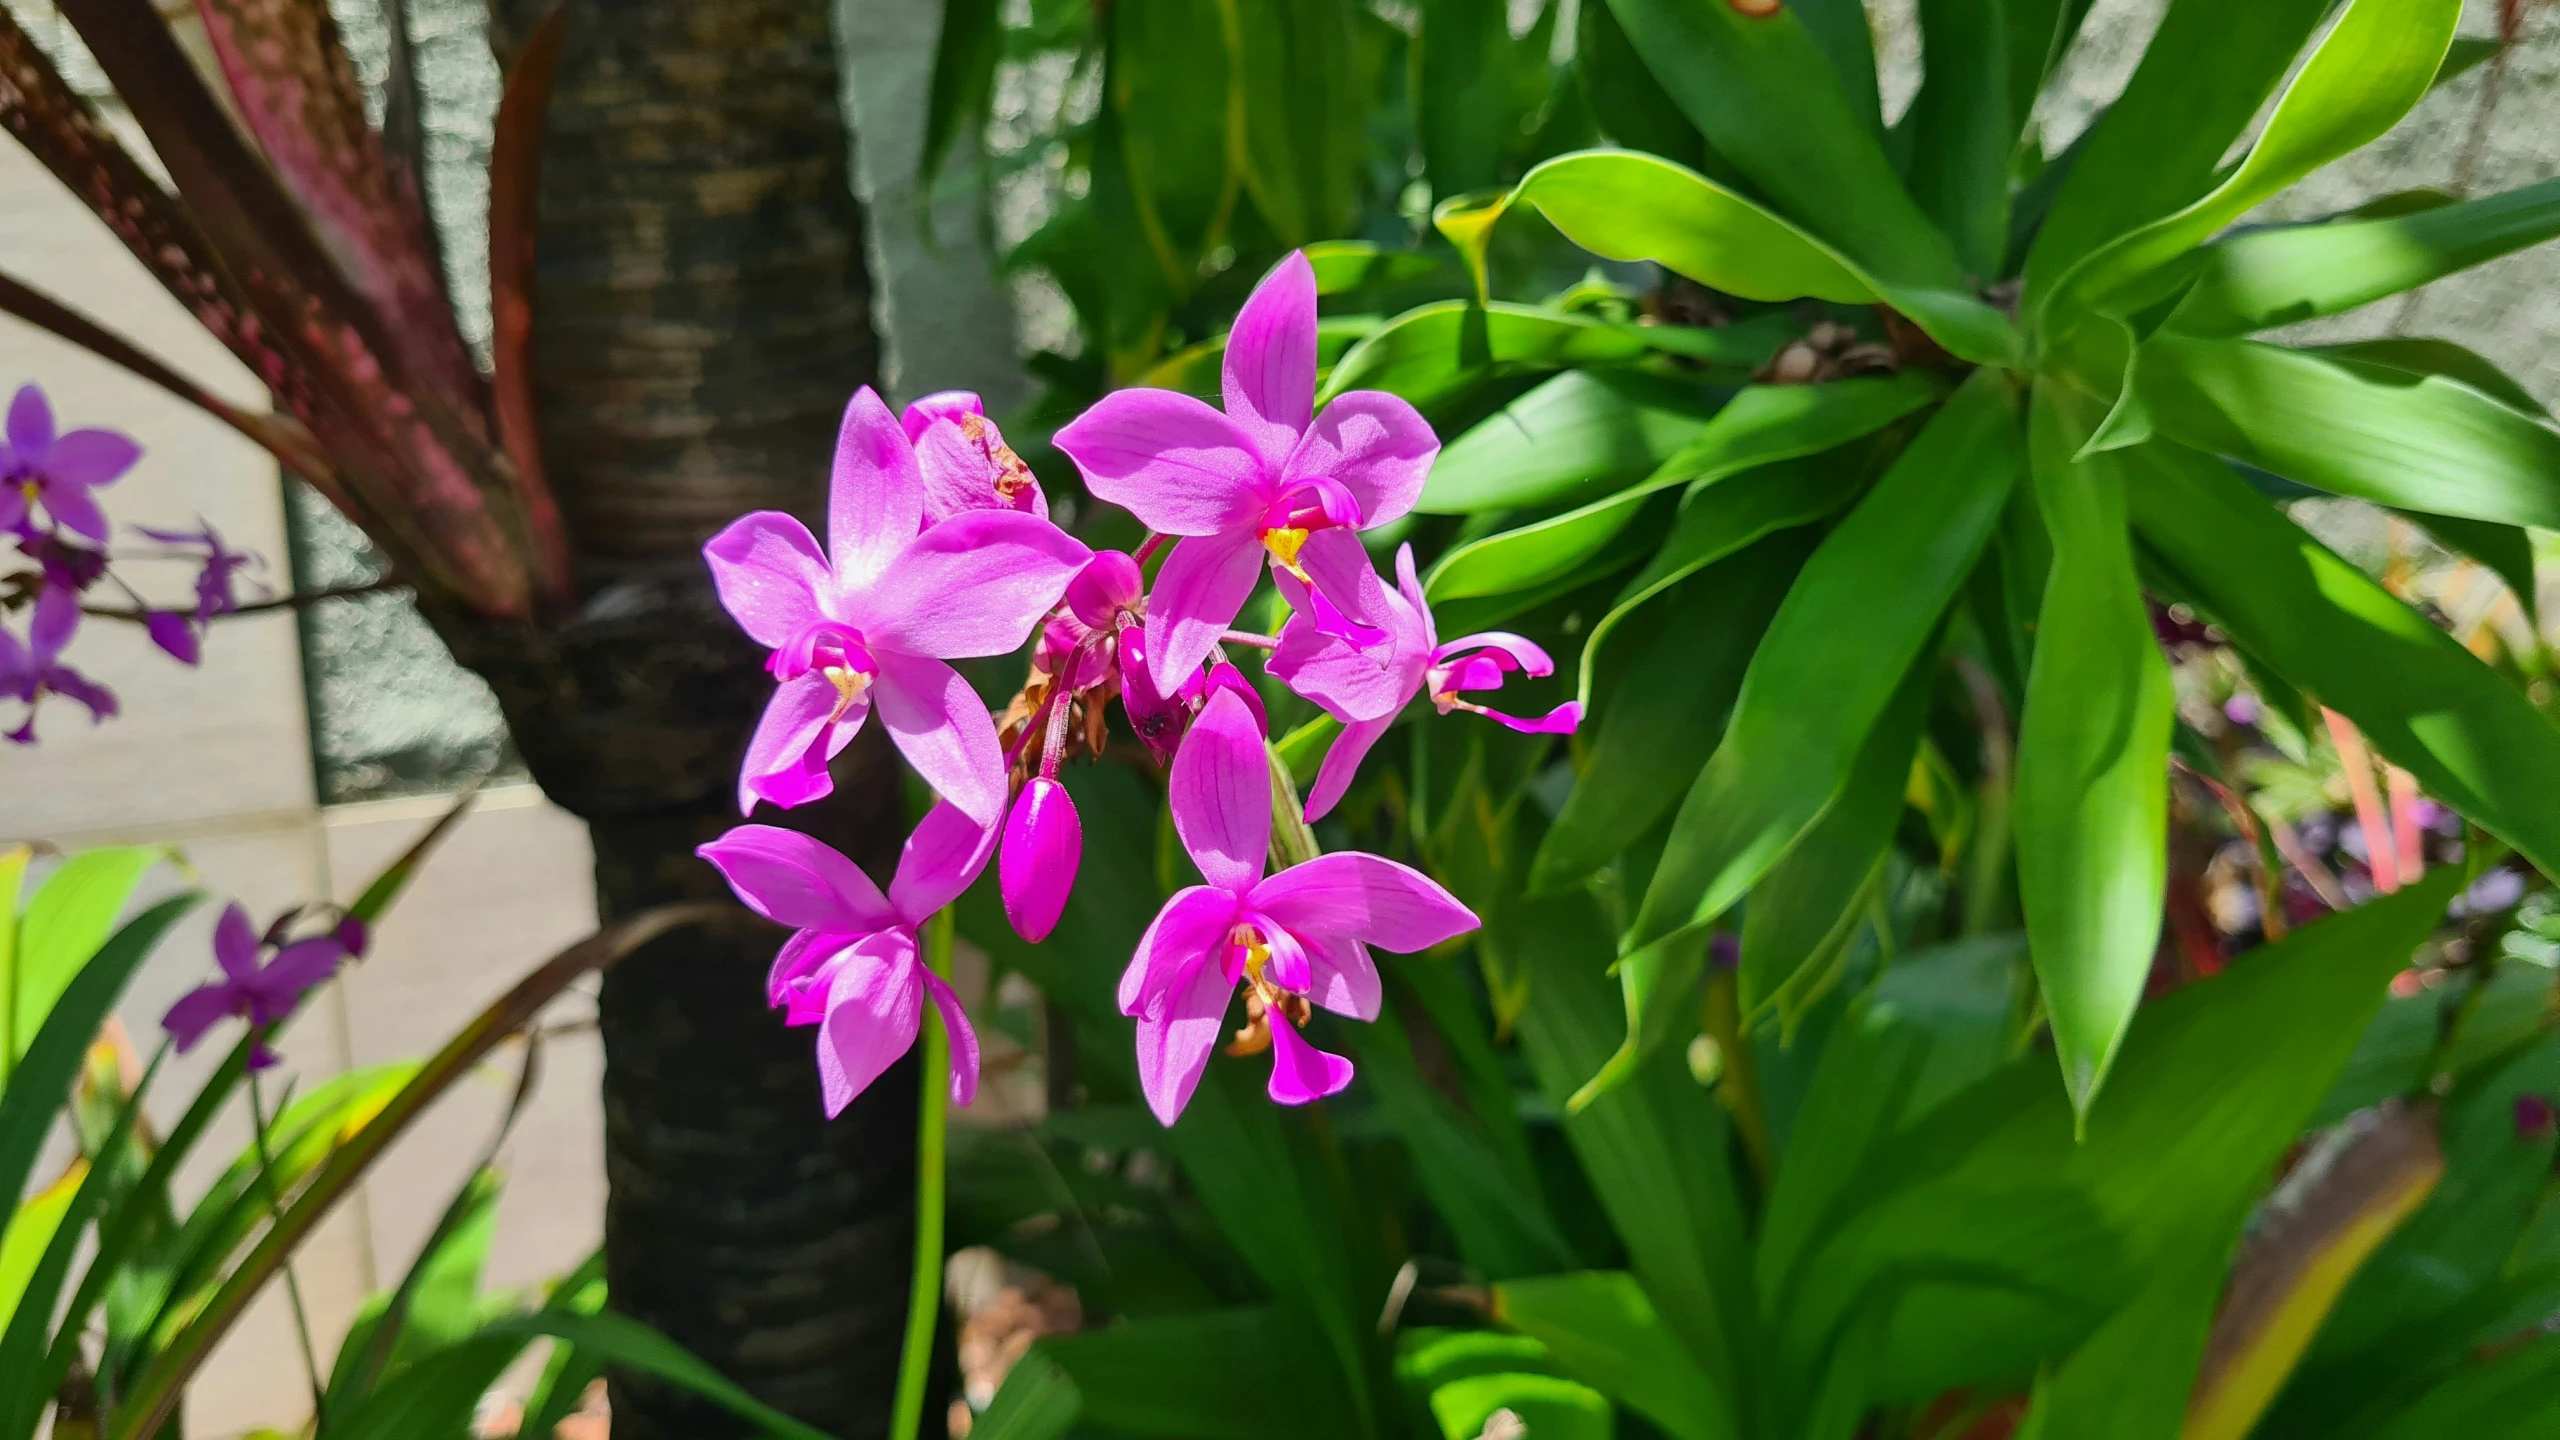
x=924, y=1306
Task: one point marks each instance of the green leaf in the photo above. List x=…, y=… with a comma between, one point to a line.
x=1305, y=112
x=29, y=1235
x=1767, y=98
x=2204, y=76
x=1963, y=129
x=1846, y=34
x=2417, y=356
x=2375, y=62
x=437, y=1304
x=2300, y=272
x=2039, y=31
x=2507, y=550
x=631, y=1345
x=1343, y=265
x=1158, y=95
x=1811, y=901
x=2471, y=739
x=1659, y=716
x=2509, y=1396
x=1038, y=1402
x=42, y=1083
x=2093, y=754
x=1565, y=441
x=1602, y=1329
x=1629, y=102
x=1628, y=206
x=1199, y=369
x=2416, y=442
x=64, y=924
x=1762, y=425
x=1543, y=1404
x=385, y=887
x=1240, y=1374
x=1462, y=93
x=1849, y=631
x=964, y=79
x=1440, y=352
x=2130, y=1379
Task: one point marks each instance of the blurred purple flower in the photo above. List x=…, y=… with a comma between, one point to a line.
x=872, y=619
x=853, y=965
x=58, y=472
x=1366, y=688
x=32, y=669
x=2535, y=1116
x=1294, y=939
x=2243, y=709
x=261, y=995
x=222, y=565
x=1266, y=479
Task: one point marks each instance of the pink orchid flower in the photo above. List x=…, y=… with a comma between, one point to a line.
x=1268, y=478
x=869, y=621
x=964, y=460
x=854, y=966
x=261, y=995
x=38, y=467
x=33, y=668
x=1367, y=689
x=1299, y=937
x=1161, y=720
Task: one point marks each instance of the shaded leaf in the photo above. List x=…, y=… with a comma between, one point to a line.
x=1565, y=440
x=1603, y=1330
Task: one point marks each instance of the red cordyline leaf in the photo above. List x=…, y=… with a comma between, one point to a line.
x=515, y=174
x=350, y=333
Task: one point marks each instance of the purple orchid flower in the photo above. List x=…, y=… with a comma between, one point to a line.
x=853, y=965
x=1367, y=688
x=1297, y=938
x=1266, y=478
x=261, y=995
x=870, y=620
x=39, y=467
x=32, y=669
x=1161, y=720
x=215, y=594
x=1043, y=848
x=964, y=460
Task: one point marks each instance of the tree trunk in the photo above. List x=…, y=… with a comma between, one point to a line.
x=702, y=312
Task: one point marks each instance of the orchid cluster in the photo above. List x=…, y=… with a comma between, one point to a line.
x=940, y=548
x=262, y=993
x=49, y=508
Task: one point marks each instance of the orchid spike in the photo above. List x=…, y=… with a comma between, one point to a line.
x=1367, y=689
x=1266, y=479
x=965, y=463
x=854, y=964
x=259, y=994
x=1297, y=939
x=39, y=467
x=33, y=668
x=870, y=620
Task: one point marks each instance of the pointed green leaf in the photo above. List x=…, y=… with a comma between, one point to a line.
x=1439, y=352
x=2375, y=62
x=1461, y=93
x=2093, y=761
x=1963, y=130
x=1038, y=1402
x=1602, y=1328
x=64, y=924
x=2472, y=740
x=2129, y=1380
x=1544, y=1405
x=2301, y=272
x=1565, y=442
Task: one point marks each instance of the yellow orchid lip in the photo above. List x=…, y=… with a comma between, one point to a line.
x=1256, y=953
x=1284, y=543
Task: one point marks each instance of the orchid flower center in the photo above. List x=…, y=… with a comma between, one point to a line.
x=833, y=649
x=1299, y=512
x=1257, y=953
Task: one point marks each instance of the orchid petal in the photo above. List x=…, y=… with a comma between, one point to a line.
x=942, y=857
x=873, y=1011
x=77, y=510
x=920, y=414
x=1109, y=583
x=57, y=616
x=787, y=757
x=963, y=1037
x=13, y=496
x=1176, y=1031
x=1363, y=897
x=1043, y=845
x=1200, y=590
x=1339, y=567
x=1511, y=652
x=941, y=726
x=956, y=475
x=1345, y=681
x=1171, y=460
x=1342, y=764
x=71, y=685
x=875, y=501
x=973, y=585
x=800, y=958
x=174, y=632
x=1220, y=795
x=30, y=425
x=296, y=968
x=795, y=880
x=1562, y=720
x=1270, y=366
x=1194, y=921
x=1287, y=966
x=1230, y=679
x=1158, y=718
x=235, y=943
x=770, y=573
x=197, y=1011
x=1299, y=1071
x=1409, y=586
x=1377, y=445
x=90, y=458
x=1342, y=976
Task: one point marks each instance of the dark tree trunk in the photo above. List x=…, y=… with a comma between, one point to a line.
x=702, y=312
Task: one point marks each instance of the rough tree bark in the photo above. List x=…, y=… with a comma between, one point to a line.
x=702, y=312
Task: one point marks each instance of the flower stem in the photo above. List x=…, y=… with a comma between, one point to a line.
x=924, y=1304
x=1293, y=842
x=1149, y=546
x=1247, y=637
x=275, y=1209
